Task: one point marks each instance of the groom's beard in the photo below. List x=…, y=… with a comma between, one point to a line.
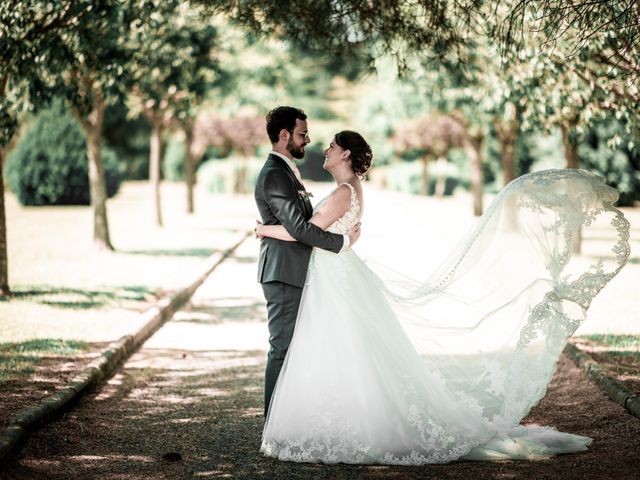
x=296, y=151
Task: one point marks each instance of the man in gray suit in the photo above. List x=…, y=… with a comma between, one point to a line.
x=282, y=268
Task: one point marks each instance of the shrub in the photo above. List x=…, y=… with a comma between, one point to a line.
x=234, y=175
x=312, y=166
x=49, y=165
x=173, y=161
x=407, y=177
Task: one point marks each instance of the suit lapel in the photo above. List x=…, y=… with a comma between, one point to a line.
x=306, y=203
x=288, y=170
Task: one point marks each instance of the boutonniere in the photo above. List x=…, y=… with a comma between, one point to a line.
x=304, y=194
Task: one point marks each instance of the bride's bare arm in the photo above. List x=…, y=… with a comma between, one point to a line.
x=335, y=206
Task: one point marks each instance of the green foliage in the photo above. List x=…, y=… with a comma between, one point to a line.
x=49, y=165
x=619, y=164
x=176, y=60
x=129, y=139
x=32, y=47
x=174, y=157
x=348, y=27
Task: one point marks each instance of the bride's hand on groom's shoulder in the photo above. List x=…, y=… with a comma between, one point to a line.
x=354, y=234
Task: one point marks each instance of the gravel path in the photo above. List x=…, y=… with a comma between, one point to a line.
x=193, y=394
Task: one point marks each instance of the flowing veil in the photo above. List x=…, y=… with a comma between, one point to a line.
x=384, y=369
x=494, y=317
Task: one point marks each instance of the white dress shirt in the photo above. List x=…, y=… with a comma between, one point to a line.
x=294, y=168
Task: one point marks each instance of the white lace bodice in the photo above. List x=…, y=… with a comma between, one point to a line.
x=349, y=218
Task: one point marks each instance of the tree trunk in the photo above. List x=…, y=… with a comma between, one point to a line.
x=507, y=133
x=473, y=148
x=425, y=176
x=189, y=166
x=441, y=180
x=155, y=156
x=240, y=174
x=92, y=127
x=570, y=145
x=4, y=257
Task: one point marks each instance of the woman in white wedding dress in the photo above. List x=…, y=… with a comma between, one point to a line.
x=400, y=372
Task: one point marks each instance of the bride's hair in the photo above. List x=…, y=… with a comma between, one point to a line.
x=361, y=154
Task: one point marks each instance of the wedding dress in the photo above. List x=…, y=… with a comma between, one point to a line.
x=399, y=372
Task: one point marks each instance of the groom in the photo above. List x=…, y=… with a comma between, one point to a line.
x=283, y=200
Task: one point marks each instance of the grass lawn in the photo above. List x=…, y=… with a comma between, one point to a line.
x=65, y=289
x=71, y=300
x=19, y=358
x=620, y=354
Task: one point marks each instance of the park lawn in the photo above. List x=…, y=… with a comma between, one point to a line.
x=63, y=288
x=18, y=359
x=70, y=300
x=619, y=354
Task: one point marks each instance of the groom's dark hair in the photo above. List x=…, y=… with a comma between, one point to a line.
x=282, y=117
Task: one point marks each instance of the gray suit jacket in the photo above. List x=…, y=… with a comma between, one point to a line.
x=279, y=202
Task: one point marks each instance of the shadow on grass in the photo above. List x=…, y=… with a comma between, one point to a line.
x=18, y=359
x=186, y=252
x=75, y=298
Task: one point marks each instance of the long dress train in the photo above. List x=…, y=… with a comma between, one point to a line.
x=398, y=372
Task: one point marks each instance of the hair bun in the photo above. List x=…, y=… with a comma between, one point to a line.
x=361, y=154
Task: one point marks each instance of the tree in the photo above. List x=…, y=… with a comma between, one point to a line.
x=30, y=36
x=433, y=135
x=241, y=134
x=92, y=78
x=582, y=62
x=611, y=24
x=462, y=89
x=507, y=127
x=82, y=63
x=173, y=66
x=342, y=28
x=576, y=62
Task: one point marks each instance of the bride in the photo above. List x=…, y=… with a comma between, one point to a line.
x=400, y=372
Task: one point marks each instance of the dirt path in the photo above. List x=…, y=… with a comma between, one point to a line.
x=195, y=389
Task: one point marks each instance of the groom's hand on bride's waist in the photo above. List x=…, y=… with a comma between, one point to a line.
x=354, y=234
x=255, y=230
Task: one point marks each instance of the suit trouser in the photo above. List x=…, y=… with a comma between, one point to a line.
x=283, y=302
